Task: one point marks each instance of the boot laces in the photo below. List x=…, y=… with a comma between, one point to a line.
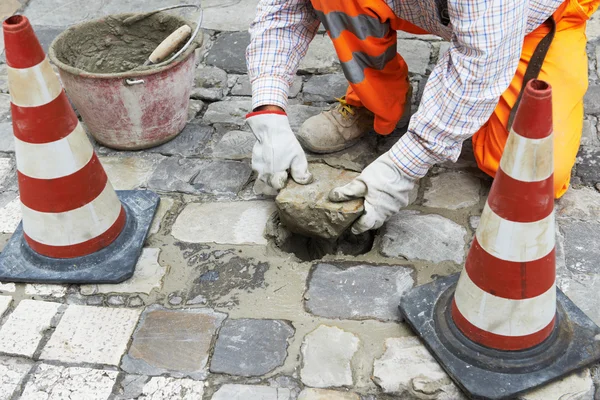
x=344, y=108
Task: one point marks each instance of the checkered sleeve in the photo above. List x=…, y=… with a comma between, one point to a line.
x=466, y=84
x=280, y=35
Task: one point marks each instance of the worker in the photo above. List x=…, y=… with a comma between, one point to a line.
x=473, y=90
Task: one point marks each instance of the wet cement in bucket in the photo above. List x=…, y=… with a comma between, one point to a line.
x=108, y=46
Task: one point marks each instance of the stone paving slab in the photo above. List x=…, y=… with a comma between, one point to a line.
x=56, y=382
x=94, y=335
x=251, y=392
x=577, y=386
x=45, y=290
x=163, y=207
x=22, y=333
x=163, y=388
x=176, y=342
x=128, y=173
x=5, y=302
x=235, y=145
x=230, y=223
x=452, y=191
x=250, y=347
x=12, y=374
x=357, y=292
x=7, y=288
x=322, y=394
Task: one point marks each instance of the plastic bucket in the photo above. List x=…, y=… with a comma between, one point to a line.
x=122, y=109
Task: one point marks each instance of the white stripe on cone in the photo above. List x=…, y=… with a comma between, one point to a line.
x=502, y=316
x=56, y=159
x=524, y=159
x=515, y=241
x=34, y=86
x=75, y=226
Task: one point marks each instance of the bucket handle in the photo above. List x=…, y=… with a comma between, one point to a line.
x=131, y=82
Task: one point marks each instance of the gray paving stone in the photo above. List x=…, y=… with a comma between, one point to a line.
x=322, y=394
x=592, y=100
x=577, y=386
x=593, y=28
x=7, y=140
x=222, y=177
x=416, y=53
x=251, y=392
x=583, y=204
x=56, y=382
x=130, y=387
x=474, y=221
x=321, y=57
x=208, y=94
x=325, y=87
x=228, y=16
x=174, y=174
x=358, y=292
x=427, y=237
x=22, y=332
x=12, y=374
x=5, y=302
x=7, y=288
x=128, y=173
x=6, y=169
x=210, y=77
x=194, y=109
x=8, y=8
x=407, y=369
x=116, y=301
x=587, y=165
x=231, y=223
x=231, y=112
x=5, y=108
x=163, y=388
x=95, y=335
x=250, y=347
x=589, y=134
x=46, y=34
x=444, y=47
x=453, y=190
x=327, y=353
x=3, y=78
x=174, y=342
x=229, y=52
x=10, y=215
x=191, y=141
x=235, y=145
x=46, y=290
x=163, y=207
x=297, y=114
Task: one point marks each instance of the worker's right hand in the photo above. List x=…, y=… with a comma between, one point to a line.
x=276, y=151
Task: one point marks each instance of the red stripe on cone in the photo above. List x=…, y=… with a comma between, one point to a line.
x=84, y=248
x=529, y=121
x=44, y=124
x=23, y=50
x=507, y=279
x=507, y=197
x=66, y=193
x=488, y=339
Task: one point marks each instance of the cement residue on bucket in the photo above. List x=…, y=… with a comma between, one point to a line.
x=108, y=46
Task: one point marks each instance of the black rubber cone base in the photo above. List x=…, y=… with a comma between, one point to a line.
x=484, y=373
x=113, y=264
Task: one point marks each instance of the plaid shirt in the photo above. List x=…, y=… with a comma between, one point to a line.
x=486, y=38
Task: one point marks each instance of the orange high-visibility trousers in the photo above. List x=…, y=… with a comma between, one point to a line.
x=364, y=36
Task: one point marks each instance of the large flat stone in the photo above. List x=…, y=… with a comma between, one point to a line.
x=22, y=333
x=407, y=369
x=231, y=112
x=428, y=237
x=299, y=113
x=222, y=177
x=577, y=386
x=230, y=223
x=251, y=392
x=210, y=77
x=190, y=142
x=321, y=57
x=416, y=53
x=174, y=342
x=148, y=275
x=323, y=394
x=327, y=353
x=358, y=292
x=7, y=140
x=5, y=302
x=583, y=204
x=235, y=145
x=12, y=374
x=453, y=190
x=306, y=209
x=229, y=52
x=592, y=100
x=56, y=382
x=251, y=347
x=91, y=335
x=588, y=161
x=589, y=133
x=128, y=173
x=228, y=16
x=325, y=87
x=163, y=388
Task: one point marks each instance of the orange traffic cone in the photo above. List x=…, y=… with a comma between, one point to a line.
x=70, y=209
x=497, y=329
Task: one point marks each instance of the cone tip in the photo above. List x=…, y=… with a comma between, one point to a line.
x=538, y=89
x=15, y=23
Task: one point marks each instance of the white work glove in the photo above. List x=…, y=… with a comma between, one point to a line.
x=276, y=151
x=385, y=189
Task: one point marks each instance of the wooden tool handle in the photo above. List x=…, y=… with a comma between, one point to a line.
x=168, y=45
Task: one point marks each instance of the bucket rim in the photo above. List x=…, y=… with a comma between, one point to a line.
x=197, y=42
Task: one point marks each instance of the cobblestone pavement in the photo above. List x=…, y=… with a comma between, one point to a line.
x=220, y=306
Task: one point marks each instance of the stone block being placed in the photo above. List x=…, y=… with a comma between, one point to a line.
x=306, y=209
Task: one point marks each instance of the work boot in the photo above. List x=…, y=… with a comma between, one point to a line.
x=342, y=126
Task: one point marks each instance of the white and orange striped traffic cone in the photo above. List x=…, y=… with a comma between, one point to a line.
x=70, y=209
x=497, y=327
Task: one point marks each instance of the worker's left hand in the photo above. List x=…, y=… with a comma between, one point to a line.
x=385, y=189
